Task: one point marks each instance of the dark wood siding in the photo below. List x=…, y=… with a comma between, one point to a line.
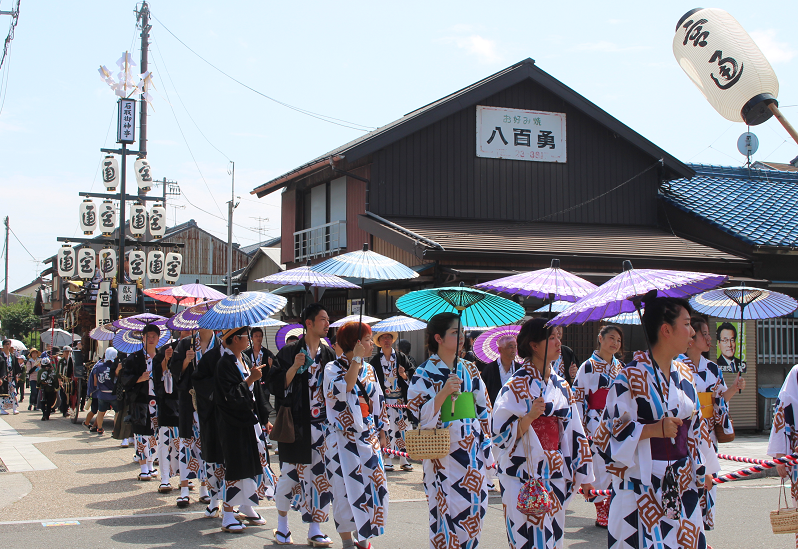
x=288, y=223
x=435, y=172
x=205, y=255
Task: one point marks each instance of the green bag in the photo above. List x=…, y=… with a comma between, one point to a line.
x=464, y=408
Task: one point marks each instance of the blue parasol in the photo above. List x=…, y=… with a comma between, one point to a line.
x=130, y=341
x=399, y=323
x=365, y=319
x=106, y=332
x=241, y=309
x=556, y=307
x=365, y=264
x=475, y=307
x=268, y=322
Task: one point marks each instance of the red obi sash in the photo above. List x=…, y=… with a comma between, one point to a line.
x=547, y=428
x=597, y=400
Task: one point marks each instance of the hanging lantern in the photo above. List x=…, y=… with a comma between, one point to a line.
x=726, y=65
x=66, y=261
x=174, y=261
x=155, y=265
x=110, y=172
x=136, y=264
x=86, y=263
x=107, y=259
x=88, y=216
x=143, y=176
x=138, y=220
x=157, y=221
x=107, y=218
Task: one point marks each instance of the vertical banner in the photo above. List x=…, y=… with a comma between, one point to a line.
x=103, y=305
x=731, y=350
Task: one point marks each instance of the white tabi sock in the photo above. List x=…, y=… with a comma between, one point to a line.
x=203, y=491
x=145, y=469
x=184, y=491
x=214, y=503
x=247, y=510
x=150, y=466
x=228, y=519
x=314, y=530
x=282, y=523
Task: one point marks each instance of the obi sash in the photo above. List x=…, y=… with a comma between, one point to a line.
x=547, y=428
x=663, y=449
x=597, y=400
x=706, y=399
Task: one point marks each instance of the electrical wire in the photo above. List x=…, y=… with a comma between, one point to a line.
x=322, y=117
x=21, y=244
x=4, y=82
x=10, y=36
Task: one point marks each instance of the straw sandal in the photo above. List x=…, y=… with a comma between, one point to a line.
x=211, y=512
x=234, y=528
x=165, y=488
x=320, y=540
x=204, y=500
x=144, y=477
x=252, y=521
x=286, y=538
x=183, y=502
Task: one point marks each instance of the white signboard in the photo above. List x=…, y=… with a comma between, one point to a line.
x=516, y=134
x=126, y=123
x=126, y=293
x=103, y=305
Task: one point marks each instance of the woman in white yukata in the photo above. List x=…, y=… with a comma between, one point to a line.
x=714, y=396
x=358, y=420
x=539, y=434
x=591, y=386
x=784, y=432
x=455, y=484
x=650, y=437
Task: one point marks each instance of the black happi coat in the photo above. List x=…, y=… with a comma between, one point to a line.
x=401, y=360
x=298, y=400
x=138, y=393
x=264, y=381
x=168, y=414
x=182, y=381
x=237, y=413
x=204, y=382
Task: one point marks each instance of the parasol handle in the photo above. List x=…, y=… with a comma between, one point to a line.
x=742, y=312
x=780, y=117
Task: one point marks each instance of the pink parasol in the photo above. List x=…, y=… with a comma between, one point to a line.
x=486, y=346
x=186, y=295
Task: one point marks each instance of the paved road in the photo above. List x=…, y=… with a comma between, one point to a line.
x=91, y=499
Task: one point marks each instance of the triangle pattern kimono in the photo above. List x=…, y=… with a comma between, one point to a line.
x=455, y=484
x=521, y=458
x=640, y=395
x=784, y=431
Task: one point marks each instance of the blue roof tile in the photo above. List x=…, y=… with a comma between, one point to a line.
x=757, y=206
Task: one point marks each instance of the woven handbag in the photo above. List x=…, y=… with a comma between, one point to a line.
x=427, y=443
x=785, y=519
x=721, y=435
x=533, y=499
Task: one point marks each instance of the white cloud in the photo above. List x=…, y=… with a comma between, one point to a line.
x=485, y=50
x=776, y=52
x=606, y=47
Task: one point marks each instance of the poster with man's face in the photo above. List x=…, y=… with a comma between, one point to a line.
x=731, y=350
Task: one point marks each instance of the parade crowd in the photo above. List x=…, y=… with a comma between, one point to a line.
x=535, y=425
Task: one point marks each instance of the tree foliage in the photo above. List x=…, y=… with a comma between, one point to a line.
x=18, y=319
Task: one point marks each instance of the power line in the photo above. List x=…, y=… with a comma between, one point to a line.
x=21, y=244
x=322, y=117
x=10, y=37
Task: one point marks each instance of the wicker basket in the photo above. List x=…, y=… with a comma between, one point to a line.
x=785, y=519
x=427, y=443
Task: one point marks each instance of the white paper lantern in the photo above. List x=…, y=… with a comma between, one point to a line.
x=86, y=263
x=138, y=220
x=65, y=260
x=143, y=176
x=107, y=218
x=107, y=259
x=726, y=65
x=137, y=264
x=88, y=216
x=157, y=221
x=110, y=172
x=155, y=265
x=174, y=262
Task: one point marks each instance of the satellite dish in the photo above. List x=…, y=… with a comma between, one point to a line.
x=747, y=144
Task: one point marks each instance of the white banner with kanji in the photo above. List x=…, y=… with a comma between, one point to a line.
x=517, y=134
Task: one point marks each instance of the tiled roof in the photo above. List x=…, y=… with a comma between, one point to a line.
x=757, y=206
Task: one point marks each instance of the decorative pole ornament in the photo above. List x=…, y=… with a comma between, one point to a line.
x=155, y=265
x=138, y=220
x=110, y=172
x=137, y=260
x=157, y=221
x=728, y=67
x=107, y=218
x=107, y=259
x=86, y=263
x=174, y=261
x=88, y=216
x=143, y=177
x=66, y=261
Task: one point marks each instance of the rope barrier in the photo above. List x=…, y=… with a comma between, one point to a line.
x=792, y=457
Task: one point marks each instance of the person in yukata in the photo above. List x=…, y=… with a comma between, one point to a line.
x=295, y=382
x=243, y=416
x=358, y=423
x=591, y=387
x=650, y=438
x=538, y=434
x=394, y=371
x=456, y=484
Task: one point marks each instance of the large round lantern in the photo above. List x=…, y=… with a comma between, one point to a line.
x=86, y=263
x=110, y=172
x=157, y=221
x=143, y=176
x=155, y=265
x=174, y=261
x=88, y=216
x=726, y=65
x=107, y=259
x=65, y=260
x=138, y=219
x=107, y=218
x=137, y=264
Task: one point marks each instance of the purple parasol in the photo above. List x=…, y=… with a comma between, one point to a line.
x=291, y=330
x=486, y=346
x=200, y=292
x=303, y=276
x=542, y=284
x=137, y=322
x=615, y=296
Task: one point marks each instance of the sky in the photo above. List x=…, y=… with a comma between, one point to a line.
x=363, y=63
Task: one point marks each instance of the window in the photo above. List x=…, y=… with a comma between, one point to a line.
x=322, y=223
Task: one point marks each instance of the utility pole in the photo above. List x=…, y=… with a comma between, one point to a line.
x=7, y=229
x=143, y=18
x=230, y=208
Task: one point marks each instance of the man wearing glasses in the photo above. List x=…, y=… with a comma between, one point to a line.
x=727, y=345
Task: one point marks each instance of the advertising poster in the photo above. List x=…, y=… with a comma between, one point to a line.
x=731, y=350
